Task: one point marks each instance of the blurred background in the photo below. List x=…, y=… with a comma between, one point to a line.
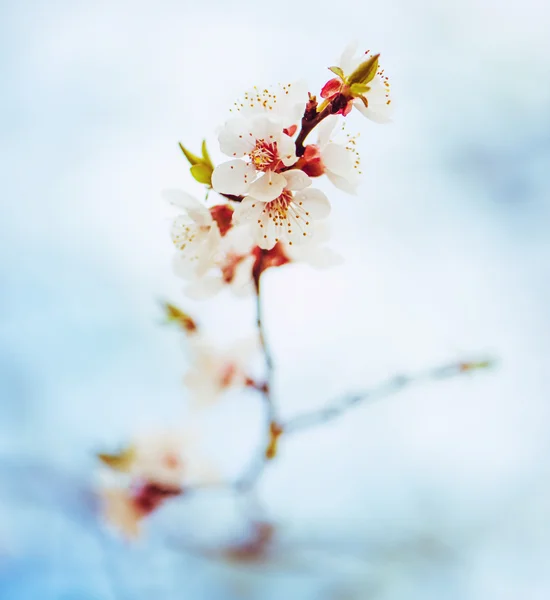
x=440, y=492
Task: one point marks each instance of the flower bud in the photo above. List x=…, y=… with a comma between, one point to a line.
x=311, y=162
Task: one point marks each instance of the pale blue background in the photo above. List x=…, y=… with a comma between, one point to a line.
x=443, y=492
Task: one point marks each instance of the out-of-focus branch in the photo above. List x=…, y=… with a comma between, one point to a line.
x=388, y=388
x=272, y=428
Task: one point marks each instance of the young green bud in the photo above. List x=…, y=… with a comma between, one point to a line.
x=205, y=156
x=365, y=72
x=338, y=71
x=201, y=166
x=192, y=158
x=202, y=173
x=119, y=462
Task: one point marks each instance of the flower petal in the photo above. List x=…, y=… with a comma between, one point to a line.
x=268, y=231
x=325, y=129
x=377, y=114
x=233, y=177
x=235, y=139
x=348, y=62
x=293, y=101
x=184, y=265
x=197, y=211
x=287, y=150
x=248, y=211
x=339, y=160
x=185, y=233
x=315, y=255
x=239, y=238
x=298, y=226
x=264, y=127
x=331, y=87
x=378, y=110
x=348, y=185
x=204, y=287
x=314, y=202
x=296, y=179
x=268, y=187
x=242, y=284
x=286, y=102
x=208, y=250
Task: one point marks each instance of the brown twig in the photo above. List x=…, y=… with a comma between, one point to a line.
x=232, y=197
x=312, y=118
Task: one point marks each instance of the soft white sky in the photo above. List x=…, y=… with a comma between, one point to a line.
x=447, y=256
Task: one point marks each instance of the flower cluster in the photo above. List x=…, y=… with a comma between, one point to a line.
x=272, y=214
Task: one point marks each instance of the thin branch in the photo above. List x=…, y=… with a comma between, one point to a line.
x=312, y=118
x=263, y=340
x=272, y=430
x=388, y=388
x=232, y=197
x=309, y=123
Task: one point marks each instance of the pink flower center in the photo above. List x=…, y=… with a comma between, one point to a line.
x=265, y=156
x=277, y=209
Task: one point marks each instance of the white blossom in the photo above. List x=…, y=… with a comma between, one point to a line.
x=159, y=458
x=339, y=162
x=289, y=216
x=260, y=148
x=231, y=267
x=214, y=370
x=195, y=233
x=156, y=466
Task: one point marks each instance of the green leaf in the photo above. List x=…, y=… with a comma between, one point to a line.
x=338, y=71
x=365, y=72
x=207, y=160
x=359, y=88
x=119, y=462
x=192, y=158
x=202, y=173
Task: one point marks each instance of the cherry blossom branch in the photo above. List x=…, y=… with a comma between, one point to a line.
x=392, y=386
